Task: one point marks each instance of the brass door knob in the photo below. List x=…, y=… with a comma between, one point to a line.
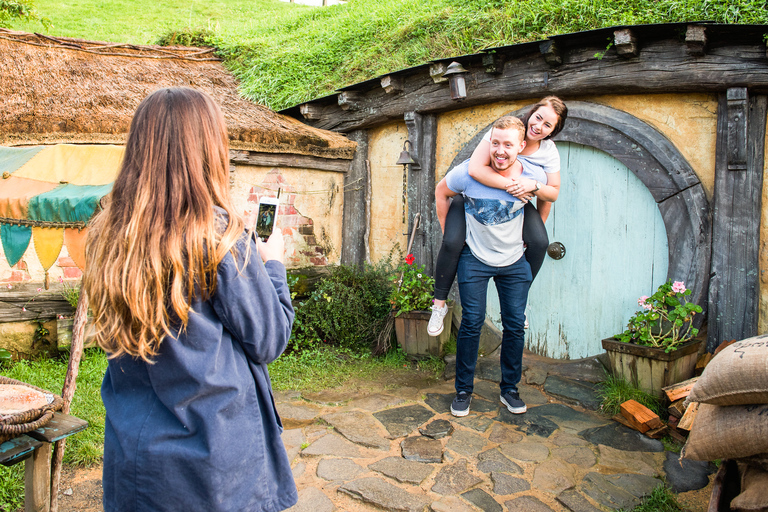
x=556, y=250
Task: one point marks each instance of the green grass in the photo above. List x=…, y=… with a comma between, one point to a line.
x=660, y=500
x=285, y=54
x=615, y=391
x=329, y=367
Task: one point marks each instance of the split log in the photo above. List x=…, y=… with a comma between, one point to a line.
x=702, y=363
x=677, y=435
x=657, y=433
x=722, y=346
x=640, y=417
x=686, y=422
x=618, y=418
x=677, y=409
x=680, y=390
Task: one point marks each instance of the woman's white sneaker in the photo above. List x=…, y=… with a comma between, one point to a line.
x=435, y=326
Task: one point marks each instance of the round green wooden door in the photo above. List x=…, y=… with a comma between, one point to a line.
x=615, y=251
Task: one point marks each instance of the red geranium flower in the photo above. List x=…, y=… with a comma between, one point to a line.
x=409, y=259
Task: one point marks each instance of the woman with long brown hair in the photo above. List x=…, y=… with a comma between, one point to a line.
x=190, y=316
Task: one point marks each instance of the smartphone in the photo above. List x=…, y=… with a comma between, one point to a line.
x=265, y=220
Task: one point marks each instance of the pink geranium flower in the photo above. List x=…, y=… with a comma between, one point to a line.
x=642, y=302
x=678, y=287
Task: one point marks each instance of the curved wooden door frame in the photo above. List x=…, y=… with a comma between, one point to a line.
x=674, y=185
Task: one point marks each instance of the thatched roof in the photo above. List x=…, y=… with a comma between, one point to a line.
x=63, y=90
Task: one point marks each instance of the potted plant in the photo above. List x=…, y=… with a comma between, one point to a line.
x=411, y=300
x=659, y=347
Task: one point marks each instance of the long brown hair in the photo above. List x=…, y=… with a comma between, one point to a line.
x=158, y=242
x=557, y=105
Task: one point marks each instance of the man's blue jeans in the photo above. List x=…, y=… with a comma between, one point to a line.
x=512, y=283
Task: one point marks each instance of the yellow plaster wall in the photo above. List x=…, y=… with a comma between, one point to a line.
x=384, y=146
x=317, y=195
x=762, y=326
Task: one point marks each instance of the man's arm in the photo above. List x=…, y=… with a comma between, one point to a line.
x=480, y=167
x=442, y=201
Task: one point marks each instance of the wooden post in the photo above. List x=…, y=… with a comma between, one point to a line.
x=422, y=132
x=37, y=469
x=734, y=285
x=354, y=219
x=67, y=393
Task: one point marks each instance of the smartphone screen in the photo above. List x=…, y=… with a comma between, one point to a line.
x=265, y=220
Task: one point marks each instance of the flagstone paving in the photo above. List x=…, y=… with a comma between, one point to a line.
x=400, y=449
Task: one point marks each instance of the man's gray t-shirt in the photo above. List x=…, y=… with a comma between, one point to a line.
x=494, y=218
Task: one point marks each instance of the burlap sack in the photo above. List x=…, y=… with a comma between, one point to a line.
x=754, y=490
x=728, y=432
x=736, y=376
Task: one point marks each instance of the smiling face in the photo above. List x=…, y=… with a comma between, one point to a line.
x=541, y=123
x=506, y=144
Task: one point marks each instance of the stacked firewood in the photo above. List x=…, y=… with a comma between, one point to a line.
x=637, y=416
x=731, y=422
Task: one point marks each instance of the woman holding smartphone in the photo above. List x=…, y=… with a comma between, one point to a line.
x=190, y=308
x=543, y=121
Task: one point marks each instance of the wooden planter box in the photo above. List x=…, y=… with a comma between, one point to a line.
x=411, y=331
x=652, y=369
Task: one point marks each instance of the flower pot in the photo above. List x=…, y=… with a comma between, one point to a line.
x=652, y=369
x=411, y=332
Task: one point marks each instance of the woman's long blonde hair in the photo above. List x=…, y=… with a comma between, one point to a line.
x=158, y=242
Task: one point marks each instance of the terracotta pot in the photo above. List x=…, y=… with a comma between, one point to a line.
x=652, y=369
x=411, y=332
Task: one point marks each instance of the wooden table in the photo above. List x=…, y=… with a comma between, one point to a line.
x=35, y=449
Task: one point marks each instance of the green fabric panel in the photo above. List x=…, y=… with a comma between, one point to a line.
x=11, y=159
x=67, y=203
x=15, y=241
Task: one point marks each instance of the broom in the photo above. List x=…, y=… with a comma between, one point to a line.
x=385, y=335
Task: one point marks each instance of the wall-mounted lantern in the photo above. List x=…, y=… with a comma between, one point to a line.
x=455, y=74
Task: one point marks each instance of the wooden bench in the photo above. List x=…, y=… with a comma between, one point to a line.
x=35, y=449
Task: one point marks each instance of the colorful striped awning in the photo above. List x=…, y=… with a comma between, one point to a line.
x=48, y=195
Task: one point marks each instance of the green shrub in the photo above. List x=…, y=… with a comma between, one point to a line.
x=187, y=37
x=347, y=308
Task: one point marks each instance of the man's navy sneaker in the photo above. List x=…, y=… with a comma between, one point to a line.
x=460, y=404
x=513, y=402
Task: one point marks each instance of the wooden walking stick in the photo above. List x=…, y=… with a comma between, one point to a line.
x=68, y=392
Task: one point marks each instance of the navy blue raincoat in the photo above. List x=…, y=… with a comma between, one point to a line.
x=198, y=429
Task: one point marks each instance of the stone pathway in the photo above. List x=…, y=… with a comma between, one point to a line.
x=401, y=449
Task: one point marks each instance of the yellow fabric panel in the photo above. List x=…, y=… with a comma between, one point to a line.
x=74, y=239
x=16, y=192
x=78, y=165
x=48, y=243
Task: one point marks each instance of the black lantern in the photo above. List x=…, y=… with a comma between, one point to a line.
x=455, y=74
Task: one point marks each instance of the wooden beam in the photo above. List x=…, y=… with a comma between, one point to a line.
x=734, y=287
x=289, y=160
x=551, y=53
x=625, y=42
x=493, y=63
x=355, y=214
x=737, y=128
x=310, y=111
x=436, y=72
x=392, y=84
x=528, y=75
x=349, y=100
x=422, y=132
x=696, y=40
